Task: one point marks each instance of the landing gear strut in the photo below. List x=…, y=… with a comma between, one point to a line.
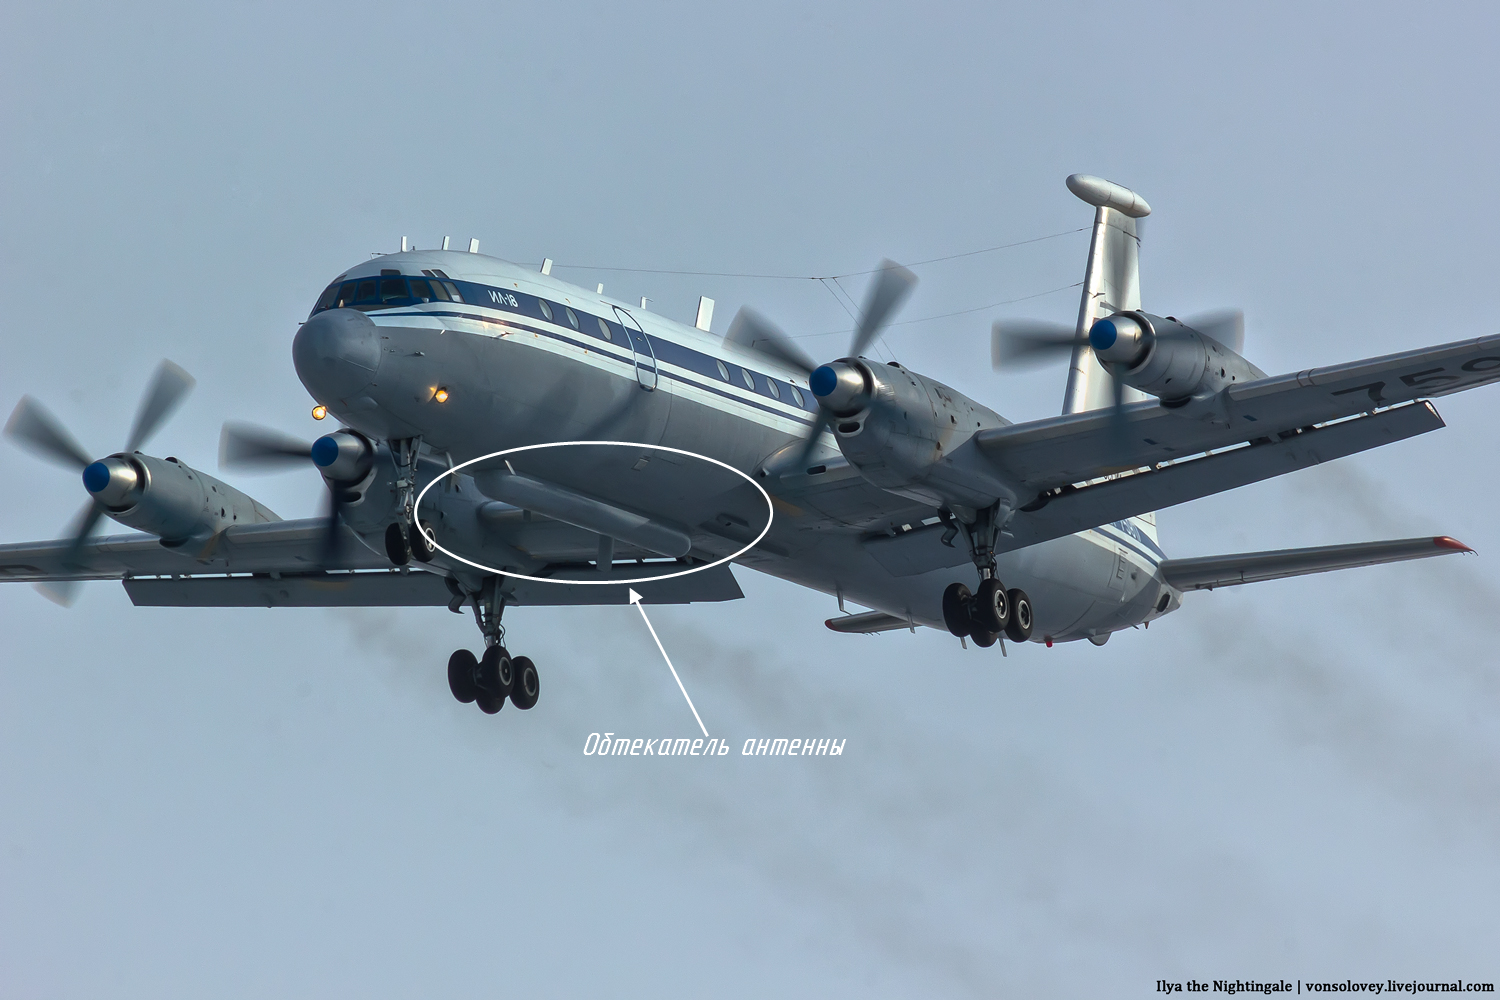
x=984, y=615
x=489, y=679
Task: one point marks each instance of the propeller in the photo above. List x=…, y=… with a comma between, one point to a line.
x=890, y=288
x=33, y=427
x=1021, y=343
x=250, y=447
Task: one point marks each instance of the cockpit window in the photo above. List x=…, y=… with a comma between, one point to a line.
x=420, y=290
x=392, y=289
x=367, y=292
x=325, y=301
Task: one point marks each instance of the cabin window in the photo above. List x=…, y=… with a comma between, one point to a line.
x=723, y=370
x=748, y=379
x=604, y=329
x=545, y=308
x=775, y=390
x=797, y=397
x=572, y=317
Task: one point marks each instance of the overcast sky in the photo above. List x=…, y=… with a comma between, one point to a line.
x=1297, y=779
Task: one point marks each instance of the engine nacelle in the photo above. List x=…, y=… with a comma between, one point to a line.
x=1165, y=358
x=166, y=498
x=909, y=434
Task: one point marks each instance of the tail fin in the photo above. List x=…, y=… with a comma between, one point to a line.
x=1111, y=283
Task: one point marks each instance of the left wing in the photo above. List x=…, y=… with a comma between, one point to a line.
x=1047, y=455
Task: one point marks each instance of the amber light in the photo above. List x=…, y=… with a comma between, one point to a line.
x=441, y=395
x=320, y=411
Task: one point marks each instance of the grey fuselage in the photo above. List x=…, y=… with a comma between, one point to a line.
x=513, y=377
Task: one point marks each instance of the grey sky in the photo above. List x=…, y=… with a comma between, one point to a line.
x=1296, y=779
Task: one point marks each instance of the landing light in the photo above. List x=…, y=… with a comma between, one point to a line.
x=320, y=411
x=441, y=395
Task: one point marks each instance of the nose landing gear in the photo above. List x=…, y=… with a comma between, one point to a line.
x=489, y=680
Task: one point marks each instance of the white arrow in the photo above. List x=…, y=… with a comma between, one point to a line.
x=636, y=600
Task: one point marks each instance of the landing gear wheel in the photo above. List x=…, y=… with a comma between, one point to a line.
x=496, y=672
x=990, y=608
x=956, y=609
x=462, y=667
x=526, y=686
x=488, y=703
x=397, y=550
x=416, y=542
x=1019, y=628
x=984, y=639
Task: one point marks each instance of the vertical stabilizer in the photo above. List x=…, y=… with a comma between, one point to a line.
x=1111, y=284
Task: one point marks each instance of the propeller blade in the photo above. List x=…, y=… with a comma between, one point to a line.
x=331, y=548
x=34, y=428
x=168, y=388
x=1017, y=343
x=752, y=330
x=64, y=592
x=893, y=283
x=1227, y=326
x=810, y=443
x=247, y=446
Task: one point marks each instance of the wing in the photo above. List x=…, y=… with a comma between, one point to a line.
x=281, y=546
x=1045, y=455
x=276, y=565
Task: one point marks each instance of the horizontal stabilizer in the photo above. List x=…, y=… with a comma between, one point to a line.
x=867, y=622
x=1208, y=572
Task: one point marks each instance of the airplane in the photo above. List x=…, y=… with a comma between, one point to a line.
x=886, y=488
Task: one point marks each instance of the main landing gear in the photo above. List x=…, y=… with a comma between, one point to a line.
x=489, y=679
x=985, y=614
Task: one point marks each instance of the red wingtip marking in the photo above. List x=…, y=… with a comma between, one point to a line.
x=1445, y=542
x=829, y=623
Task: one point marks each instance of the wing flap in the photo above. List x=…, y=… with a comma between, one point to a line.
x=1208, y=572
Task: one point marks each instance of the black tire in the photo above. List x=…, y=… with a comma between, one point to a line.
x=1019, y=629
x=462, y=666
x=396, y=548
x=956, y=609
x=526, y=688
x=990, y=609
x=421, y=549
x=984, y=639
x=488, y=703
x=496, y=671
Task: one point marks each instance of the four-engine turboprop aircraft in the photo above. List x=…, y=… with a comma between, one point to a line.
x=889, y=489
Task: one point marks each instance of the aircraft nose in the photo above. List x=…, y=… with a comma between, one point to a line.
x=336, y=353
